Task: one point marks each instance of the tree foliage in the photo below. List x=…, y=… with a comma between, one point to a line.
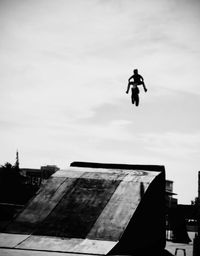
x=13, y=188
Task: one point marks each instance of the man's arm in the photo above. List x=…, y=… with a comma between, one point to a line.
x=130, y=78
x=128, y=87
x=141, y=78
x=129, y=84
x=145, y=89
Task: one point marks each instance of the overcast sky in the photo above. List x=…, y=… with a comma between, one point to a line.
x=64, y=67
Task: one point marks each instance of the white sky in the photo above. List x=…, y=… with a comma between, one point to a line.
x=64, y=67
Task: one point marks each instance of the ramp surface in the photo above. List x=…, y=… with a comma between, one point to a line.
x=81, y=210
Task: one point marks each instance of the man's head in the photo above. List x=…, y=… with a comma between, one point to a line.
x=135, y=71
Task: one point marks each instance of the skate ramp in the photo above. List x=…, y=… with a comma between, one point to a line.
x=94, y=209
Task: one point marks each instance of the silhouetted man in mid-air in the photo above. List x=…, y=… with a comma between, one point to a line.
x=135, y=80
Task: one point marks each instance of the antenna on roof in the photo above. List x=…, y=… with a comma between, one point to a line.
x=17, y=160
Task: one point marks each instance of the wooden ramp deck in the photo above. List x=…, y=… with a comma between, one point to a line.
x=97, y=211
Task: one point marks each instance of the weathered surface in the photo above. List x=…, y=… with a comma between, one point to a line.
x=119, y=210
x=11, y=240
x=41, y=206
x=29, y=252
x=93, y=210
x=67, y=245
x=79, y=208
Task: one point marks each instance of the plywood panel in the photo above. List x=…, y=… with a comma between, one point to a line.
x=79, y=208
x=11, y=240
x=119, y=210
x=69, y=173
x=27, y=252
x=49, y=243
x=95, y=246
x=74, y=172
x=67, y=245
x=41, y=206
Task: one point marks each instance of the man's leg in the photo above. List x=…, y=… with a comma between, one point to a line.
x=137, y=100
x=132, y=96
x=132, y=99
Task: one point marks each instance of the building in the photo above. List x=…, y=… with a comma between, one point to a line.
x=37, y=176
x=48, y=170
x=170, y=200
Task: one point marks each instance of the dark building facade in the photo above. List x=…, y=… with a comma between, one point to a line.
x=37, y=176
x=170, y=200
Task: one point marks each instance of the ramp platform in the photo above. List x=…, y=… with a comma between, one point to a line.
x=93, y=209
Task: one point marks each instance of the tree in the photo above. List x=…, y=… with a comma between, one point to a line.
x=11, y=184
